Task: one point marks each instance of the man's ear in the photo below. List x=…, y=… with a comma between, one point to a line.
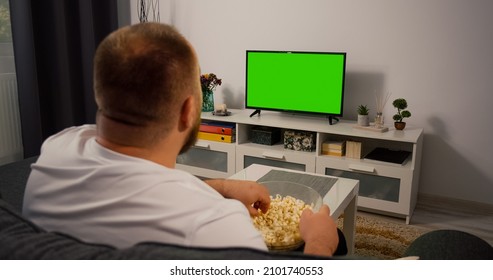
x=187, y=114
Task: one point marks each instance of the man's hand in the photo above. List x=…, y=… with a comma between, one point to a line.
x=253, y=195
x=319, y=231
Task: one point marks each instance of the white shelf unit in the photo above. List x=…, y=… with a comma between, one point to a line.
x=209, y=159
x=384, y=188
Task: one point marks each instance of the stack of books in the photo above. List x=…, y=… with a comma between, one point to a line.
x=334, y=148
x=217, y=131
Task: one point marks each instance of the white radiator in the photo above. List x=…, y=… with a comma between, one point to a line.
x=10, y=124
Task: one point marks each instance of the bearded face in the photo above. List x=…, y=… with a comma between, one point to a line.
x=192, y=136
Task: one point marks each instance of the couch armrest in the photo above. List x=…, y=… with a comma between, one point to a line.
x=13, y=179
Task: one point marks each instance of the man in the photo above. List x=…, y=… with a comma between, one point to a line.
x=115, y=182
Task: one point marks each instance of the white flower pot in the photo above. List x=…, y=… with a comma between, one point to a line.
x=363, y=120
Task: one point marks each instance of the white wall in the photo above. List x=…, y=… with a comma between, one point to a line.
x=435, y=53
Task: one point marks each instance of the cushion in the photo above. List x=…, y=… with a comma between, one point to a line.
x=13, y=178
x=450, y=245
x=21, y=239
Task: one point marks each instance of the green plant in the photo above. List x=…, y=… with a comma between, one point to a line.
x=363, y=110
x=401, y=105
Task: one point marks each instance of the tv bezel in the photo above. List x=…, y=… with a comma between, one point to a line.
x=297, y=111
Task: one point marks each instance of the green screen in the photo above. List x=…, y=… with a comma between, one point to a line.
x=295, y=81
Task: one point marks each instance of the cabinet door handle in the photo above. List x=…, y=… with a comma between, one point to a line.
x=363, y=168
x=272, y=155
x=202, y=145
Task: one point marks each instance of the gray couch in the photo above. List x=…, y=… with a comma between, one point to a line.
x=21, y=239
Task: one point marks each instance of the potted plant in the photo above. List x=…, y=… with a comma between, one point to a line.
x=363, y=118
x=401, y=105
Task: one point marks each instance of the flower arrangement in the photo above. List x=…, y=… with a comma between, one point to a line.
x=209, y=81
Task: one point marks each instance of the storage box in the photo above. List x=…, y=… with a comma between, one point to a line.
x=266, y=135
x=300, y=140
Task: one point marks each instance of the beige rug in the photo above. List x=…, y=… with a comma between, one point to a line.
x=382, y=239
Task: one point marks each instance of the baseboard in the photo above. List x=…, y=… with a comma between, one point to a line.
x=454, y=203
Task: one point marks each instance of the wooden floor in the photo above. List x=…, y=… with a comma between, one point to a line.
x=433, y=213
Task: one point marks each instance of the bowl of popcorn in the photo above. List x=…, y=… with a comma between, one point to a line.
x=280, y=225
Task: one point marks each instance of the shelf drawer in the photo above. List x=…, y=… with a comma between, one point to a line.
x=382, y=187
x=371, y=186
x=209, y=159
x=301, y=161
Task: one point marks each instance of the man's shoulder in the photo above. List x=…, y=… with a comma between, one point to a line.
x=87, y=130
x=71, y=133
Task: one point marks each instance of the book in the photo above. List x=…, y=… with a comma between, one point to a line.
x=334, y=148
x=216, y=137
x=331, y=152
x=353, y=149
x=387, y=155
x=334, y=145
x=218, y=128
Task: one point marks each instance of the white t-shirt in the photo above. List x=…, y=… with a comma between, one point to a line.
x=80, y=188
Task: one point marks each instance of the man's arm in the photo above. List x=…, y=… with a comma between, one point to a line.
x=252, y=194
x=319, y=231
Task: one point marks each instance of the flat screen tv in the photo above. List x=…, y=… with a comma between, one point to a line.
x=303, y=82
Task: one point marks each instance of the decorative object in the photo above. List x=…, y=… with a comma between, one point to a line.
x=209, y=82
x=207, y=100
x=372, y=128
x=146, y=8
x=221, y=110
x=300, y=140
x=380, y=102
x=401, y=105
x=363, y=118
x=266, y=135
x=379, y=121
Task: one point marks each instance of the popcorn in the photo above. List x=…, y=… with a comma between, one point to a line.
x=280, y=225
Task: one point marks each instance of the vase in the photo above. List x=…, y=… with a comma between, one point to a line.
x=379, y=120
x=207, y=100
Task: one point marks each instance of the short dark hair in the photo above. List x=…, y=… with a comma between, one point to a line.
x=141, y=72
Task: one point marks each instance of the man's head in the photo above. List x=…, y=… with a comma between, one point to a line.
x=143, y=76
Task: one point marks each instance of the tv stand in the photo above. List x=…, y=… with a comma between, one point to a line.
x=255, y=112
x=384, y=188
x=332, y=118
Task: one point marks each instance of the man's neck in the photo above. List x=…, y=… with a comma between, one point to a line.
x=153, y=155
x=117, y=137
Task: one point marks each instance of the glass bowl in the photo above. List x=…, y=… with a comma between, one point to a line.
x=299, y=191
x=285, y=188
